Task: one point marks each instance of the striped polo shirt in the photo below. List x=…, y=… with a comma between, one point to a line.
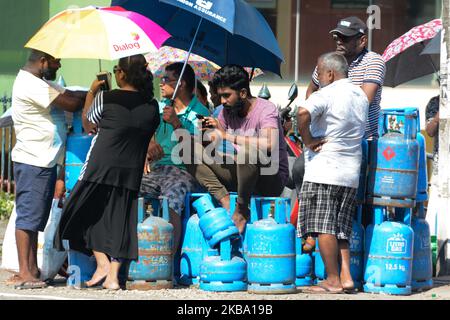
x=368, y=67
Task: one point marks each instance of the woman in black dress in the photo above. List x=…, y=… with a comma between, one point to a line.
x=100, y=216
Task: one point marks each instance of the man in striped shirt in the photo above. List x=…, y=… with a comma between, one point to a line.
x=366, y=68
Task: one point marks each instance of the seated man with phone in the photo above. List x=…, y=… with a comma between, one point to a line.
x=167, y=175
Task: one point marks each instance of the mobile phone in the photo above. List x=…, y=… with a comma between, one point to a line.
x=201, y=117
x=106, y=76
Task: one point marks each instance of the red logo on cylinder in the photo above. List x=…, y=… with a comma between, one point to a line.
x=388, y=153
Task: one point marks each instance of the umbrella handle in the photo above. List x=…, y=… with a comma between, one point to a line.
x=187, y=59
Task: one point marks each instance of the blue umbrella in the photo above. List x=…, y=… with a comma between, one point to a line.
x=225, y=31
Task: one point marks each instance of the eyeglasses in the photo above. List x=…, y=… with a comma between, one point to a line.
x=166, y=79
x=346, y=39
x=116, y=68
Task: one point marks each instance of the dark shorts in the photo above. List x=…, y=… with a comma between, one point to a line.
x=327, y=209
x=35, y=187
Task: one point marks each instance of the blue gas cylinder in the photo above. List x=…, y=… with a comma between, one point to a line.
x=303, y=265
x=154, y=267
x=394, y=163
x=422, y=270
x=356, y=245
x=215, y=223
x=320, y=273
x=81, y=268
x=389, y=264
x=77, y=147
x=223, y=272
x=192, y=241
x=361, y=193
x=270, y=248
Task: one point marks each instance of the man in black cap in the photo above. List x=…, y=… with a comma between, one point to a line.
x=366, y=68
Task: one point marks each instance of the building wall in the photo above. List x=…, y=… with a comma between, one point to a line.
x=19, y=19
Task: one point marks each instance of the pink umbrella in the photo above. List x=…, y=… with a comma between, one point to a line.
x=402, y=56
x=203, y=68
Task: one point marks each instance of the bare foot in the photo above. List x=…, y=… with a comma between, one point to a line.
x=99, y=275
x=111, y=284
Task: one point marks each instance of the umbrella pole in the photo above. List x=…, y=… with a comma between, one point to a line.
x=172, y=101
x=186, y=61
x=99, y=65
x=251, y=75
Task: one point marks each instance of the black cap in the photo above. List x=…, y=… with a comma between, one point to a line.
x=350, y=26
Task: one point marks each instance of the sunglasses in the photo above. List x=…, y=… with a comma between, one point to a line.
x=166, y=79
x=116, y=68
x=346, y=39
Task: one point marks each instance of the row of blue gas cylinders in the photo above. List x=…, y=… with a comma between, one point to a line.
x=264, y=252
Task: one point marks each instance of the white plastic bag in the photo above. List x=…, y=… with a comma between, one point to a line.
x=49, y=260
x=9, y=249
x=52, y=259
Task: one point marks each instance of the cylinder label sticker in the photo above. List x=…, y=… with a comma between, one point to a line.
x=396, y=244
x=388, y=153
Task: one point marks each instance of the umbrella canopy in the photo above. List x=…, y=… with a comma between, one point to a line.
x=203, y=68
x=232, y=31
x=403, y=59
x=106, y=33
x=434, y=46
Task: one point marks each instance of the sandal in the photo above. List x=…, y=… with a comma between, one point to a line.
x=31, y=285
x=321, y=289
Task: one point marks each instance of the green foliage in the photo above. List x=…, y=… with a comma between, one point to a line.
x=6, y=205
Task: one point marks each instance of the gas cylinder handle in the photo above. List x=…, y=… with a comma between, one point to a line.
x=359, y=214
x=407, y=113
x=255, y=205
x=280, y=210
x=164, y=207
x=141, y=209
x=77, y=123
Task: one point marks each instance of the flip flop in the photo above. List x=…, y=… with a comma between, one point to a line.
x=322, y=290
x=31, y=285
x=350, y=290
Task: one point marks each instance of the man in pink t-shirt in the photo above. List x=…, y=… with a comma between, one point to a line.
x=259, y=165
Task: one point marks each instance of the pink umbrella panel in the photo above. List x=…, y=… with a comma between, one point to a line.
x=203, y=68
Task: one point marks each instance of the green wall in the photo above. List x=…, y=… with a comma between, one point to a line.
x=19, y=19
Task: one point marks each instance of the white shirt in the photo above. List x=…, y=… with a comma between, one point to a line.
x=338, y=113
x=39, y=126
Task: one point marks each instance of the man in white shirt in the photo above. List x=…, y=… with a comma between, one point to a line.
x=332, y=124
x=38, y=107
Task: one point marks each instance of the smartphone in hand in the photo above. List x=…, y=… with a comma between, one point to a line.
x=106, y=76
x=202, y=118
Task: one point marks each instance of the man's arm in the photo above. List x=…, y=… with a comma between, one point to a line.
x=70, y=100
x=432, y=125
x=370, y=89
x=312, y=87
x=304, y=122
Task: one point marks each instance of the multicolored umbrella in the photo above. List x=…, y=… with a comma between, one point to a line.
x=403, y=59
x=203, y=68
x=106, y=33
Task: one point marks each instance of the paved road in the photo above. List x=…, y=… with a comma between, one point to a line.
x=59, y=291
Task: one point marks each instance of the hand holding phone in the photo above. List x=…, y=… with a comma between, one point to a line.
x=203, y=121
x=105, y=76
